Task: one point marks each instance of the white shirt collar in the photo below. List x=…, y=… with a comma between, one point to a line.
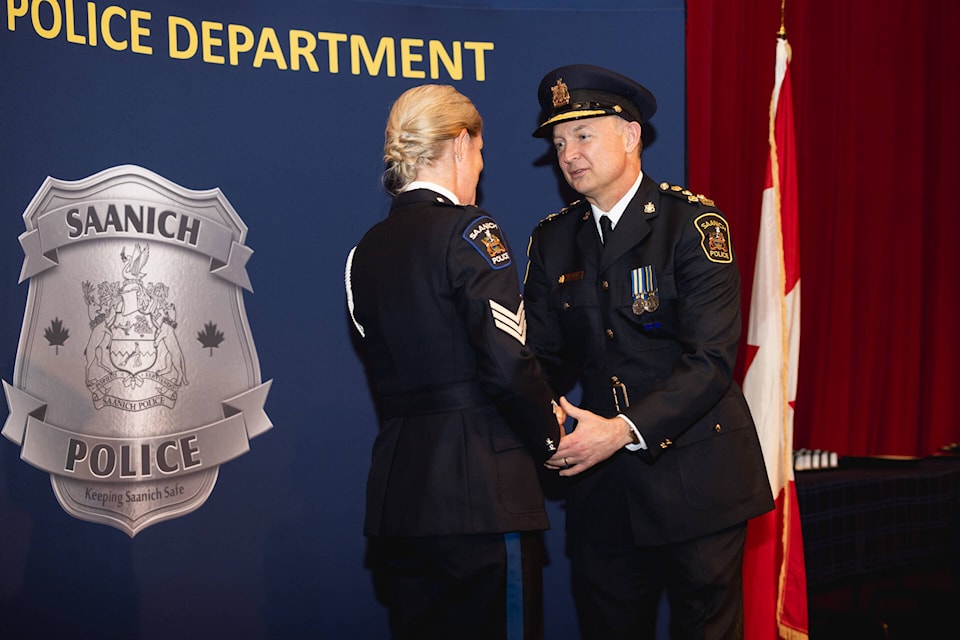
x=617, y=211
x=432, y=186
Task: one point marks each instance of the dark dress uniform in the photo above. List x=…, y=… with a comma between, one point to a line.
x=465, y=416
x=668, y=368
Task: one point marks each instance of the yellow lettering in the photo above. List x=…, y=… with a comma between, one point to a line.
x=439, y=55
x=332, y=52
x=479, y=48
x=72, y=35
x=137, y=32
x=105, y=18
x=54, y=29
x=359, y=50
x=92, y=23
x=174, y=24
x=123, y=29
x=139, y=28
x=407, y=57
x=209, y=41
x=15, y=11
x=305, y=50
x=240, y=40
x=268, y=39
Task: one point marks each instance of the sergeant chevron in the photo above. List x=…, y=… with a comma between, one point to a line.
x=134, y=219
x=513, y=324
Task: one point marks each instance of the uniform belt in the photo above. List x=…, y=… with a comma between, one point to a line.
x=436, y=400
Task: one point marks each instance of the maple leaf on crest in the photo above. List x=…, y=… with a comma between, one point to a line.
x=210, y=337
x=56, y=334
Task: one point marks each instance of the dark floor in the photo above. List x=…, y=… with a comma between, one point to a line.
x=918, y=606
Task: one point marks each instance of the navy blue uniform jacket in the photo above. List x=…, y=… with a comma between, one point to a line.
x=703, y=469
x=465, y=416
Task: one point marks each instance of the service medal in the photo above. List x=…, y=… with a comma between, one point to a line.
x=644, y=288
x=651, y=302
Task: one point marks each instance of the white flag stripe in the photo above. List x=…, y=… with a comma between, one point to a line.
x=513, y=324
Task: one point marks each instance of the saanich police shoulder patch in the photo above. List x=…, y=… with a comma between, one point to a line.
x=486, y=237
x=714, y=237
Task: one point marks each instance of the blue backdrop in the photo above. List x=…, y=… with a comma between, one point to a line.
x=282, y=106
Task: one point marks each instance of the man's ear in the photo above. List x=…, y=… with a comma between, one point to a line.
x=632, y=135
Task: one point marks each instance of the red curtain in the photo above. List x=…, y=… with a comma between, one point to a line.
x=878, y=158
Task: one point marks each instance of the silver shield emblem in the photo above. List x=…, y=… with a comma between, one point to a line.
x=136, y=375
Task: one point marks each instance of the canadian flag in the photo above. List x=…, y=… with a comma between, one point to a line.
x=774, y=574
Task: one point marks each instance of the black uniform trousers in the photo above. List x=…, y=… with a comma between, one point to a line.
x=467, y=587
x=617, y=587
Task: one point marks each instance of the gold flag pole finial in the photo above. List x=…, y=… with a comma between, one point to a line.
x=782, y=34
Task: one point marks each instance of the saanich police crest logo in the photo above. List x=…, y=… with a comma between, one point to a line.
x=136, y=375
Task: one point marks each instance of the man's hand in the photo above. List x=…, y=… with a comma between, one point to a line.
x=594, y=440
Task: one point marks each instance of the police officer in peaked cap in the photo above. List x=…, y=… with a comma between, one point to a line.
x=583, y=91
x=633, y=292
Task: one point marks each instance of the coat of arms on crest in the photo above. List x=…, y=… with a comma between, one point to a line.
x=133, y=339
x=134, y=415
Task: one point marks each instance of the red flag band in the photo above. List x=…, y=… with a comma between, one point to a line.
x=775, y=584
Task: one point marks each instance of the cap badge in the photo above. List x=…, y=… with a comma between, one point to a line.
x=561, y=95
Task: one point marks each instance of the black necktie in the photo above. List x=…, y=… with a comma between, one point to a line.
x=606, y=227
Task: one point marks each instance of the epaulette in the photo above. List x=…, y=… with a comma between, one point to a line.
x=556, y=215
x=680, y=192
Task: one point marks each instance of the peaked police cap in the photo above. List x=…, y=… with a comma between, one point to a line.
x=580, y=91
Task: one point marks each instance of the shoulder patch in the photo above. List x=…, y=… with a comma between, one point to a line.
x=686, y=194
x=714, y=237
x=485, y=236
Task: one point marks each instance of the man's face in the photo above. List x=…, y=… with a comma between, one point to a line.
x=594, y=156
